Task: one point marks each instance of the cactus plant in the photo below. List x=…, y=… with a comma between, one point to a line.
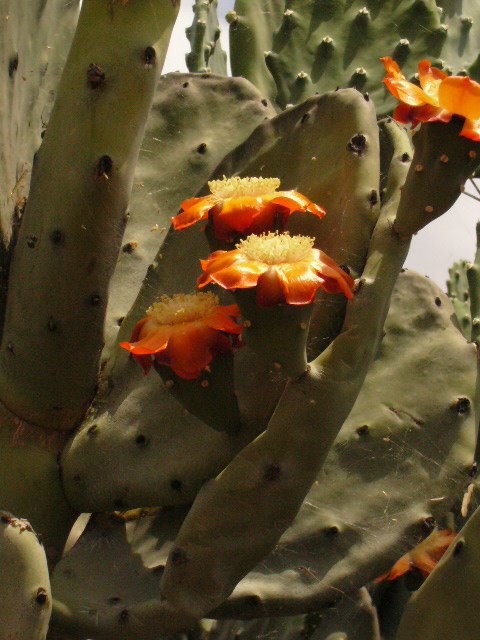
x=257, y=454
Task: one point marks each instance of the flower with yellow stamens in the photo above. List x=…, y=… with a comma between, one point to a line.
x=439, y=97
x=241, y=206
x=283, y=268
x=184, y=332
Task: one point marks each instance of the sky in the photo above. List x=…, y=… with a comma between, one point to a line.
x=434, y=249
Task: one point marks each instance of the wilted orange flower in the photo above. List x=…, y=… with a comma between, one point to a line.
x=243, y=206
x=284, y=268
x=184, y=332
x=424, y=557
x=439, y=97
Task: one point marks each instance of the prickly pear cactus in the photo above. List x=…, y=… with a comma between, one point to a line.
x=258, y=455
x=25, y=585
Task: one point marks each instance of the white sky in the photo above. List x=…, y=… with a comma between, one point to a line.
x=445, y=240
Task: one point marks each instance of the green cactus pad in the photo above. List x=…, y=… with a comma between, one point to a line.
x=353, y=617
x=252, y=28
x=72, y=228
x=30, y=481
x=398, y=462
x=460, y=53
x=444, y=158
x=24, y=582
x=445, y=605
x=319, y=46
x=122, y=599
x=34, y=43
x=206, y=55
x=397, y=453
x=179, y=151
x=301, y=148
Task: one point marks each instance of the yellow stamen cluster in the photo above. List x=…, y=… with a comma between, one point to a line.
x=276, y=248
x=182, y=307
x=237, y=187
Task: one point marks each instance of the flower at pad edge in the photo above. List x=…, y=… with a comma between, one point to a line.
x=424, y=557
x=283, y=268
x=439, y=98
x=184, y=332
x=240, y=206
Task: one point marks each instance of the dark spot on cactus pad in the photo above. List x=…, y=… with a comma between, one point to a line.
x=202, y=148
x=149, y=56
x=185, y=84
x=57, y=237
x=176, y=485
x=466, y=295
x=373, y=197
x=357, y=144
x=12, y=65
x=124, y=616
x=253, y=602
x=473, y=470
x=438, y=302
x=114, y=600
x=363, y=430
x=405, y=157
x=331, y=532
x=10, y=347
x=141, y=440
x=52, y=325
x=178, y=557
x=129, y=247
x=272, y=472
x=95, y=299
x=92, y=430
x=305, y=117
x=366, y=97
x=32, y=241
x=264, y=101
x=95, y=75
x=104, y=167
x=457, y=549
x=461, y=405
x=41, y=596
x=427, y=525
x=120, y=321
x=346, y=268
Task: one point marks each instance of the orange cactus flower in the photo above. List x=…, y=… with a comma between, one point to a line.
x=240, y=206
x=184, y=332
x=439, y=97
x=283, y=268
x=424, y=557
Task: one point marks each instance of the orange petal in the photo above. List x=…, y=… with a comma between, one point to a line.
x=295, y=201
x=430, y=79
x=151, y=338
x=471, y=129
x=189, y=350
x=301, y=282
x=239, y=213
x=461, y=96
x=401, y=567
x=194, y=209
x=243, y=275
x=271, y=287
x=220, y=320
x=401, y=88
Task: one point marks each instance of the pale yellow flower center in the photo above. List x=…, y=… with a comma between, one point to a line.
x=237, y=187
x=276, y=248
x=182, y=307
